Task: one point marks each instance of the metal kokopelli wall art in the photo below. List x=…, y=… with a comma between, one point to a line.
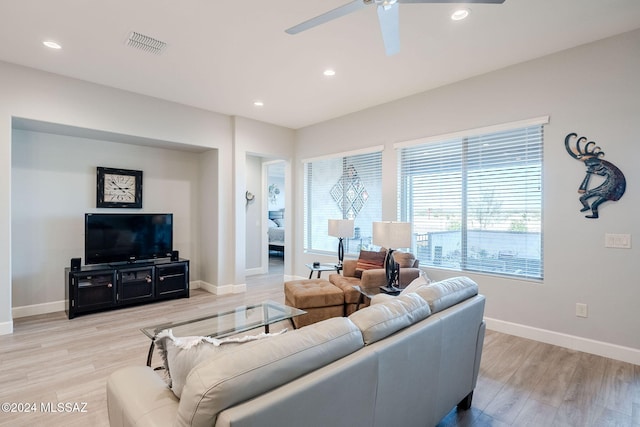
x=614, y=182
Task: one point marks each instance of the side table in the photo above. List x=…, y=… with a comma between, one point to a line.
x=322, y=267
x=370, y=293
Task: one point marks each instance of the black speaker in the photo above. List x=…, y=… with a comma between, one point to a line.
x=175, y=255
x=75, y=264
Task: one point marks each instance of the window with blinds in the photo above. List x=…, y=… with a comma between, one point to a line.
x=475, y=200
x=342, y=187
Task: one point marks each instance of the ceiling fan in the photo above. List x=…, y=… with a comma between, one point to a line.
x=387, y=16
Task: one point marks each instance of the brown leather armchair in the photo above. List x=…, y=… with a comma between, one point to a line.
x=409, y=270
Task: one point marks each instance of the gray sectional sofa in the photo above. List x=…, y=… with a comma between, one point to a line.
x=403, y=361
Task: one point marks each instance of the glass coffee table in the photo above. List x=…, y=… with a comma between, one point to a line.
x=225, y=323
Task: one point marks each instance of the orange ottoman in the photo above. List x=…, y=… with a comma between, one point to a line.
x=319, y=298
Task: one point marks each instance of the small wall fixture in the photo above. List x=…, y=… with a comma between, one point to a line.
x=249, y=196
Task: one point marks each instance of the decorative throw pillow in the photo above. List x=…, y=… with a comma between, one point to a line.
x=181, y=354
x=416, y=283
x=414, y=286
x=369, y=260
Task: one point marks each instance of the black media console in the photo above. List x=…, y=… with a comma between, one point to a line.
x=107, y=286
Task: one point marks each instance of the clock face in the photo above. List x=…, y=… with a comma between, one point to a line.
x=119, y=188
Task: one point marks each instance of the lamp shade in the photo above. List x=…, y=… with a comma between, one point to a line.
x=341, y=227
x=392, y=234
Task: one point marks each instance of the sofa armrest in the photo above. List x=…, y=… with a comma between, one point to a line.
x=408, y=275
x=377, y=277
x=137, y=396
x=349, y=267
x=372, y=278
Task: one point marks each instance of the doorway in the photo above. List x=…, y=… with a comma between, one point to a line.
x=276, y=215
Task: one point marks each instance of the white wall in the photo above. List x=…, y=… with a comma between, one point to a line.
x=268, y=142
x=592, y=90
x=54, y=185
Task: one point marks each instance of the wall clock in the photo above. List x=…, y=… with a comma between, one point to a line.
x=119, y=188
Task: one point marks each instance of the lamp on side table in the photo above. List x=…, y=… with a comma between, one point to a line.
x=340, y=228
x=391, y=234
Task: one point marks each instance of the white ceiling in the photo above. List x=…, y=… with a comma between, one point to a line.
x=223, y=55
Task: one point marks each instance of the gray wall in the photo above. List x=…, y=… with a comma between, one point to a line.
x=54, y=185
x=216, y=182
x=254, y=214
x=592, y=90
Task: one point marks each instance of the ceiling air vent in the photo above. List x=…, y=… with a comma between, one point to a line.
x=146, y=43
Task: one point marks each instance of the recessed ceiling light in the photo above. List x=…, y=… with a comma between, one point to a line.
x=329, y=72
x=51, y=44
x=258, y=103
x=460, y=14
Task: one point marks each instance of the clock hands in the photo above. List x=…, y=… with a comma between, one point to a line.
x=119, y=188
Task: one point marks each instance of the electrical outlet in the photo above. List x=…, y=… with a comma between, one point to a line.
x=581, y=310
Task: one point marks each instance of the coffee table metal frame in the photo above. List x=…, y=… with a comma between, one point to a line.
x=225, y=323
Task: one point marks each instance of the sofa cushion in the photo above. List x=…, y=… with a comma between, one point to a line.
x=181, y=354
x=442, y=295
x=242, y=373
x=369, y=260
x=381, y=320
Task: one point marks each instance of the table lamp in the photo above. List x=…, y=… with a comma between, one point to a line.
x=391, y=235
x=340, y=228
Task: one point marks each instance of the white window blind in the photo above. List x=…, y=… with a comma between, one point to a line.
x=475, y=201
x=342, y=187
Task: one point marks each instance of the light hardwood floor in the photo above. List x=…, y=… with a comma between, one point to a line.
x=50, y=359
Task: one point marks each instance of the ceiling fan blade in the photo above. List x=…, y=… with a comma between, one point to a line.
x=389, y=22
x=326, y=17
x=453, y=1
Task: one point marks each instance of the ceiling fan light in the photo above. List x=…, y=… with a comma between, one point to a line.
x=460, y=14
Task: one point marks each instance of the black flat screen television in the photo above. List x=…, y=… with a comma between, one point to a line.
x=117, y=238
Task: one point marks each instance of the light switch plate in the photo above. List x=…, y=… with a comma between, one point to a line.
x=621, y=241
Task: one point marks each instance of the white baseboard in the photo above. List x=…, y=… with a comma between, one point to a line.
x=6, y=328
x=612, y=351
x=255, y=271
x=223, y=289
x=35, y=309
